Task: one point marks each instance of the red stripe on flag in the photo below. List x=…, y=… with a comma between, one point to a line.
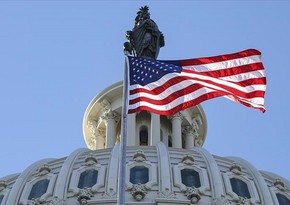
x=245, y=83
x=219, y=58
x=179, y=107
x=229, y=71
x=160, y=89
x=190, y=89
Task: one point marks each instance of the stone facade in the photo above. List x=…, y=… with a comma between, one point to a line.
x=165, y=165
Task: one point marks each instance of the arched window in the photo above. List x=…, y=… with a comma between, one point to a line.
x=139, y=174
x=190, y=178
x=169, y=141
x=240, y=188
x=38, y=189
x=88, y=178
x=143, y=136
x=283, y=200
x=1, y=198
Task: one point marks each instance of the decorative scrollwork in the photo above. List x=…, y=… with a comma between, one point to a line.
x=44, y=170
x=109, y=195
x=279, y=184
x=236, y=169
x=3, y=185
x=187, y=159
x=139, y=156
x=90, y=160
x=192, y=194
x=138, y=191
x=84, y=195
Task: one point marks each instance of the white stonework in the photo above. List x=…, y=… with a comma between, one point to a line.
x=170, y=146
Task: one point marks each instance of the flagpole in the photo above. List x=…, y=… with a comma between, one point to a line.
x=123, y=142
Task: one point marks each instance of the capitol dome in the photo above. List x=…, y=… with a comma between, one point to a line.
x=165, y=165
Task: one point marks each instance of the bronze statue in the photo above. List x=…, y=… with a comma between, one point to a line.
x=145, y=39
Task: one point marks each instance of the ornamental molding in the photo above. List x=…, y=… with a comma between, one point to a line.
x=84, y=195
x=44, y=173
x=111, y=194
x=111, y=115
x=140, y=159
x=236, y=168
x=187, y=159
x=188, y=130
x=3, y=185
x=239, y=201
x=203, y=176
x=198, y=142
x=56, y=201
x=101, y=132
x=243, y=200
x=222, y=201
x=195, y=126
x=90, y=160
x=106, y=105
x=166, y=194
x=177, y=115
x=235, y=172
x=138, y=191
x=196, y=121
x=92, y=125
x=90, y=163
x=34, y=202
x=139, y=156
x=279, y=184
x=192, y=194
x=44, y=170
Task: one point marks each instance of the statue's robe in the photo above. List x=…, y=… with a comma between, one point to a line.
x=146, y=37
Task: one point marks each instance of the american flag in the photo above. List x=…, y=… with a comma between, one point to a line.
x=167, y=87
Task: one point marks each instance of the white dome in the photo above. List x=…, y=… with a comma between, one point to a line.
x=165, y=164
x=165, y=183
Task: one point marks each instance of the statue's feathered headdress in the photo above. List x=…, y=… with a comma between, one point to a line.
x=143, y=10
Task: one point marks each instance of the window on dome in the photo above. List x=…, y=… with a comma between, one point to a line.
x=240, y=188
x=1, y=198
x=169, y=141
x=139, y=174
x=143, y=136
x=88, y=178
x=190, y=178
x=283, y=200
x=38, y=189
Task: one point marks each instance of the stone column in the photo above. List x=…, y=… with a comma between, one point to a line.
x=111, y=118
x=97, y=135
x=195, y=127
x=189, y=136
x=155, y=129
x=176, y=120
x=131, y=130
x=100, y=138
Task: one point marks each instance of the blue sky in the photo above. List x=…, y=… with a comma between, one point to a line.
x=55, y=56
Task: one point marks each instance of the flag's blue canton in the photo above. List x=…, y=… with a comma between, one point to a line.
x=144, y=71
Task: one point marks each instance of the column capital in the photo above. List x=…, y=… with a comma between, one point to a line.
x=95, y=130
x=105, y=103
x=111, y=115
x=188, y=130
x=101, y=132
x=176, y=115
